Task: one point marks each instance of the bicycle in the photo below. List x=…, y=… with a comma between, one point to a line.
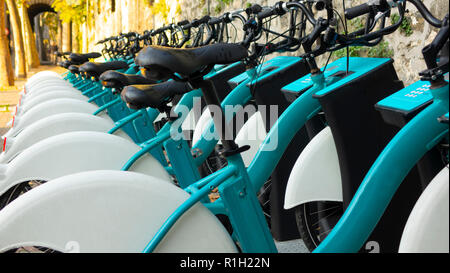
x=236, y=185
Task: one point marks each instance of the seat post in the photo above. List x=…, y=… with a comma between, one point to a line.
x=211, y=98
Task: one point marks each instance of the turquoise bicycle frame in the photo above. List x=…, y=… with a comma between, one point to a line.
x=184, y=164
x=370, y=201
x=237, y=185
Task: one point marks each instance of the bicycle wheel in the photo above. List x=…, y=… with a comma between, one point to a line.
x=316, y=219
x=16, y=191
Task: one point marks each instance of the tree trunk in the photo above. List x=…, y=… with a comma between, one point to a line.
x=38, y=35
x=67, y=37
x=60, y=36
x=32, y=56
x=75, y=38
x=6, y=71
x=20, y=62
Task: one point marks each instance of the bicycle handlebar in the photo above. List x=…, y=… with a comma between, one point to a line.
x=277, y=9
x=161, y=30
x=215, y=20
x=205, y=19
x=309, y=15
x=357, y=11
x=254, y=9
x=383, y=5
x=183, y=23
x=427, y=15
x=372, y=7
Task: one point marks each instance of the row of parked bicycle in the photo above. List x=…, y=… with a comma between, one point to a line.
x=117, y=156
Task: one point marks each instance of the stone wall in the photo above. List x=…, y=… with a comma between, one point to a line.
x=108, y=18
x=406, y=48
x=138, y=15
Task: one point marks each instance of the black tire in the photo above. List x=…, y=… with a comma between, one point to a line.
x=17, y=190
x=213, y=163
x=316, y=219
x=264, y=200
x=32, y=249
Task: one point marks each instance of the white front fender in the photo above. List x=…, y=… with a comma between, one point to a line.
x=49, y=108
x=74, y=152
x=427, y=228
x=36, y=100
x=316, y=175
x=252, y=133
x=201, y=125
x=243, y=135
x=54, y=125
x=42, y=77
x=109, y=211
x=48, y=86
x=29, y=96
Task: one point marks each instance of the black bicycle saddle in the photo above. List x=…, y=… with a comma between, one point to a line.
x=162, y=62
x=115, y=79
x=153, y=95
x=96, y=69
x=61, y=54
x=76, y=58
x=65, y=64
x=75, y=69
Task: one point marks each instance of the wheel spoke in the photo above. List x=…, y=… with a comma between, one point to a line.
x=327, y=209
x=9, y=199
x=325, y=217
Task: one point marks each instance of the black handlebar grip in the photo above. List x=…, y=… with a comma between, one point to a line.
x=254, y=9
x=320, y=5
x=195, y=23
x=126, y=34
x=215, y=20
x=198, y=22
x=182, y=23
x=204, y=19
x=161, y=30
x=266, y=13
x=188, y=26
x=354, y=12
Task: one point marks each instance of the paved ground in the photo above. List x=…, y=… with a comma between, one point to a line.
x=9, y=96
x=293, y=246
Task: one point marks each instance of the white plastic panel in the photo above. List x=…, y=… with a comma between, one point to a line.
x=74, y=152
x=55, y=125
x=316, y=175
x=427, y=228
x=108, y=211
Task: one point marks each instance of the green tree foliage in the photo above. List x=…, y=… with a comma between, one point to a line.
x=382, y=50
x=405, y=27
x=71, y=10
x=50, y=19
x=221, y=4
x=161, y=8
